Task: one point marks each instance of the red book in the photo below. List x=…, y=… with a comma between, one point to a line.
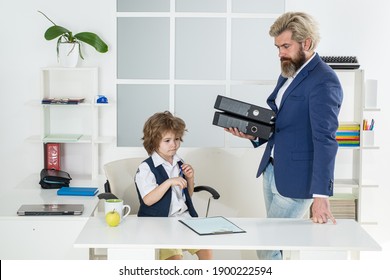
x=52, y=156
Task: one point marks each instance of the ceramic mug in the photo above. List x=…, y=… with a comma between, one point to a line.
x=117, y=205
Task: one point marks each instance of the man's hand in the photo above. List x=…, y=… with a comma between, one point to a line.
x=321, y=211
x=240, y=134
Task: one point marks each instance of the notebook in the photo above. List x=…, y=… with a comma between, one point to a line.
x=50, y=209
x=83, y=191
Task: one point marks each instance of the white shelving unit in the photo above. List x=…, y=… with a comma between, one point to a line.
x=351, y=165
x=79, y=157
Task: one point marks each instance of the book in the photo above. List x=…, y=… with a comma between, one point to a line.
x=62, y=100
x=52, y=154
x=348, y=135
x=78, y=191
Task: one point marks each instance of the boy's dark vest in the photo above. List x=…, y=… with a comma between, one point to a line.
x=161, y=207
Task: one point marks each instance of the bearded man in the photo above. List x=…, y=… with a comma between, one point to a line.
x=299, y=158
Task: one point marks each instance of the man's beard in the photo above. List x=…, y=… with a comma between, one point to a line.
x=290, y=66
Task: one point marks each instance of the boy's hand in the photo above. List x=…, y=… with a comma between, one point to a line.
x=178, y=181
x=188, y=171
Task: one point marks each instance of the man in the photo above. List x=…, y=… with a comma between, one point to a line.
x=299, y=159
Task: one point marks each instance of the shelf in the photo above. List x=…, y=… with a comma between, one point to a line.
x=87, y=103
x=346, y=183
x=349, y=148
x=369, y=186
x=82, y=140
x=366, y=109
x=353, y=160
x=370, y=148
x=359, y=147
x=81, y=104
x=67, y=139
x=63, y=121
x=64, y=138
x=352, y=184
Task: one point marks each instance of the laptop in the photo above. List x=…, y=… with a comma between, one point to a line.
x=50, y=209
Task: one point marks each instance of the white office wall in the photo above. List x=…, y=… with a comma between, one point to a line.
x=347, y=28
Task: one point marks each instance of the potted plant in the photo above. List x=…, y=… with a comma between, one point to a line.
x=72, y=43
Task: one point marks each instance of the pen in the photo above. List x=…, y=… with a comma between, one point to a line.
x=372, y=124
x=181, y=174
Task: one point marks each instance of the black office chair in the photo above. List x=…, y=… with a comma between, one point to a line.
x=212, y=191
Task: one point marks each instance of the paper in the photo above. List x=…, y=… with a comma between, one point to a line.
x=211, y=225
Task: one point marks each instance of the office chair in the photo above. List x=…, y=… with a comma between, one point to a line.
x=120, y=183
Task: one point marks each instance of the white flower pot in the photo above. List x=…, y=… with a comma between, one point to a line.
x=68, y=54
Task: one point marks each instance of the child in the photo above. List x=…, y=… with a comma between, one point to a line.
x=164, y=183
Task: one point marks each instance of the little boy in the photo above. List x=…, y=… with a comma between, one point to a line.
x=164, y=182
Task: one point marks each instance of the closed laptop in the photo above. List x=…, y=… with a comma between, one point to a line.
x=50, y=209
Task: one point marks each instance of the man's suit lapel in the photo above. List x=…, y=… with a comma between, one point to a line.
x=299, y=78
x=272, y=97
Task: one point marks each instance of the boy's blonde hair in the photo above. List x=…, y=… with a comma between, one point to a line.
x=159, y=124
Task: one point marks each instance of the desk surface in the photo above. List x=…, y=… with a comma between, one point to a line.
x=41, y=237
x=281, y=234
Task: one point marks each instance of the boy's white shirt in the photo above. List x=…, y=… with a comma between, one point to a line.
x=146, y=182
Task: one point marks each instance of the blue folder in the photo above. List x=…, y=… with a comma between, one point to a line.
x=78, y=191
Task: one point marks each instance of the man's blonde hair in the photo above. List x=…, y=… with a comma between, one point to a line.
x=302, y=26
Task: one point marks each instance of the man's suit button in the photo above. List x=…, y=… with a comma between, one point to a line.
x=277, y=130
x=331, y=185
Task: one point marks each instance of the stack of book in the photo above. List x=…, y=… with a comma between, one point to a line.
x=348, y=135
x=343, y=206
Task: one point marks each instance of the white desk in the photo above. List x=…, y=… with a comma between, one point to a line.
x=37, y=237
x=137, y=238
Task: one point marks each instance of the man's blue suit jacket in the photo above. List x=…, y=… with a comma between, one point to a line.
x=304, y=139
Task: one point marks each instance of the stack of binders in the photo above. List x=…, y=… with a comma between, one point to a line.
x=247, y=118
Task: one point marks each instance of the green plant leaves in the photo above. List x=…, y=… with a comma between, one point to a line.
x=66, y=36
x=93, y=40
x=55, y=31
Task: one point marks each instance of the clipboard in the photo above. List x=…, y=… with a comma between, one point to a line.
x=211, y=225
